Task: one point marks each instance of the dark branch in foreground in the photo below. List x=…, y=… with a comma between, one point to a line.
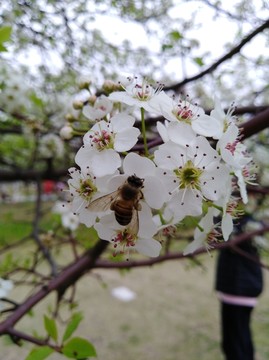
x=258, y=123
x=60, y=283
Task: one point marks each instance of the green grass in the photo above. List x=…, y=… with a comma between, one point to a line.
x=15, y=222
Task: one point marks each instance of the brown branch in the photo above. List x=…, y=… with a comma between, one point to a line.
x=222, y=59
x=45, y=251
x=29, y=174
x=60, y=284
x=105, y=264
x=258, y=123
x=17, y=335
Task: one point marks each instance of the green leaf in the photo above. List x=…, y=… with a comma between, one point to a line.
x=72, y=325
x=175, y=35
x=5, y=34
x=198, y=61
x=51, y=328
x=2, y=48
x=40, y=353
x=167, y=47
x=36, y=100
x=78, y=348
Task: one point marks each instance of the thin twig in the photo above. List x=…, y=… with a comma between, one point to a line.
x=222, y=59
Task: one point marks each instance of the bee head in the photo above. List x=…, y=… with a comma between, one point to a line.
x=135, y=181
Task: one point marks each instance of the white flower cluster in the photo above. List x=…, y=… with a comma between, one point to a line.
x=129, y=198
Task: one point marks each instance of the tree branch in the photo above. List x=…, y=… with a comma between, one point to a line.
x=258, y=123
x=104, y=264
x=60, y=284
x=222, y=59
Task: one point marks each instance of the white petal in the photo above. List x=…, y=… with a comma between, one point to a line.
x=226, y=226
x=167, y=156
x=180, y=133
x=100, y=163
x=87, y=217
x=207, y=126
x=242, y=186
x=192, y=246
x=147, y=227
x=138, y=165
x=162, y=129
x=126, y=139
x=154, y=192
x=122, y=96
x=214, y=182
x=148, y=247
x=104, y=227
x=185, y=203
x=122, y=122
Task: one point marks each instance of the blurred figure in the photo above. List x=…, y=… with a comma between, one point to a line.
x=239, y=282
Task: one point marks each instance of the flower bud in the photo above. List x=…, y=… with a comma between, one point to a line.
x=66, y=132
x=77, y=105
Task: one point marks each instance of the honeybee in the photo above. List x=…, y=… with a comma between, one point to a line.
x=124, y=202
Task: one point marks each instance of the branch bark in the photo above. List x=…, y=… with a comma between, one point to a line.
x=258, y=123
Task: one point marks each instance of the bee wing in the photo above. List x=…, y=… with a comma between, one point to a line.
x=103, y=203
x=134, y=223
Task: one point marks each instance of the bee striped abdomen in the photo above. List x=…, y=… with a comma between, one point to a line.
x=123, y=211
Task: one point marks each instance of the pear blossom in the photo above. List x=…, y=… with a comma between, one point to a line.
x=103, y=142
x=69, y=219
x=137, y=92
x=184, y=112
x=99, y=110
x=125, y=239
x=206, y=234
x=187, y=176
x=221, y=120
x=234, y=153
x=84, y=188
x=191, y=173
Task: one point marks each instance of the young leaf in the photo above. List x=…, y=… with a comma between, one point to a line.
x=51, y=328
x=78, y=348
x=5, y=33
x=199, y=61
x=175, y=35
x=72, y=325
x=40, y=353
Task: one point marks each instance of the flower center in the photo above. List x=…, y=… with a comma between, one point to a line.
x=189, y=176
x=102, y=140
x=144, y=91
x=87, y=189
x=125, y=240
x=183, y=113
x=212, y=237
x=232, y=147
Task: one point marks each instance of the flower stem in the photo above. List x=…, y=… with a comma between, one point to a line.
x=143, y=128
